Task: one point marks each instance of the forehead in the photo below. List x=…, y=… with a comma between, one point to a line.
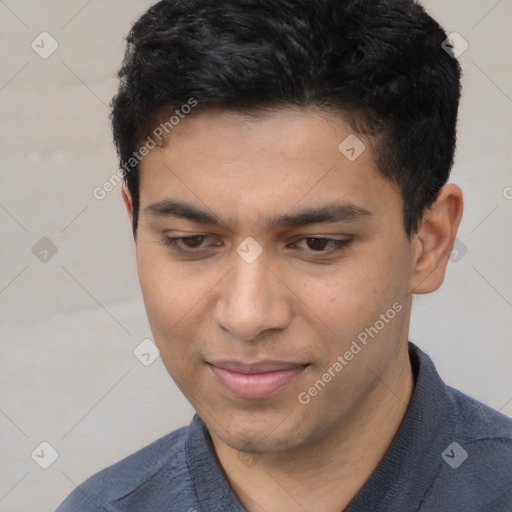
x=267, y=164
x=295, y=133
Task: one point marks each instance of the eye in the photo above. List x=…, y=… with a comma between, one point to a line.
x=324, y=245
x=313, y=245
x=190, y=243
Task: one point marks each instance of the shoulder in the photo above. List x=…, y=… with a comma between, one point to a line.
x=461, y=416
x=160, y=465
x=477, y=461
x=485, y=432
x=477, y=421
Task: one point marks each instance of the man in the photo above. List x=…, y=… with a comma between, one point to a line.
x=286, y=168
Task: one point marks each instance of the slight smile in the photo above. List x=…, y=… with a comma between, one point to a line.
x=252, y=381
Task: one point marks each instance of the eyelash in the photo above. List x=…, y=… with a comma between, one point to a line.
x=338, y=245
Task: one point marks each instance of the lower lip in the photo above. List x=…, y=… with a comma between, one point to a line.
x=255, y=385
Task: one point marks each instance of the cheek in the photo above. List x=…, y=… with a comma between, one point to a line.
x=380, y=273
x=355, y=293
x=177, y=298
x=170, y=296
x=160, y=290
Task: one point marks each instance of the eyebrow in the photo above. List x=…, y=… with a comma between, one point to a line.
x=329, y=213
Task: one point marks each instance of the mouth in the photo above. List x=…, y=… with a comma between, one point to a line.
x=258, y=380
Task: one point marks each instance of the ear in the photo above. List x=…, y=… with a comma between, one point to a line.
x=127, y=200
x=433, y=242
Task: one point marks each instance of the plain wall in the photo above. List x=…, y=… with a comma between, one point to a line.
x=69, y=326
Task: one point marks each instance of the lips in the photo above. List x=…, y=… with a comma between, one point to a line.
x=253, y=381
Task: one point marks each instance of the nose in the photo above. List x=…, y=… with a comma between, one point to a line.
x=252, y=300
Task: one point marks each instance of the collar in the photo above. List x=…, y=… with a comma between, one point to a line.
x=413, y=459
x=400, y=480
x=212, y=488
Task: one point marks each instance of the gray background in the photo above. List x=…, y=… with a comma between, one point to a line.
x=69, y=325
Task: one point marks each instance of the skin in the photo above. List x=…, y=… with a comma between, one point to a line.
x=299, y=301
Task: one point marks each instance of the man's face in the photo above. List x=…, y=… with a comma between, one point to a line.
x=245, y=335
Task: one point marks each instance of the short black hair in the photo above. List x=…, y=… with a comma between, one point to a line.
x=379, y=63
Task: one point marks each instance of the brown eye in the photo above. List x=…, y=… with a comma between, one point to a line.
x=189, y=243
x=193, y=241
x=317, y=244
x=322, y=245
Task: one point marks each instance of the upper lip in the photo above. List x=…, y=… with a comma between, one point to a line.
x=258, y=367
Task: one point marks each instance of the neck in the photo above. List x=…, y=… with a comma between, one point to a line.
x=325, y=476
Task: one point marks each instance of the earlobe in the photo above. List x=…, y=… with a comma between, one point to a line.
x=435, y=238
x=127, y=200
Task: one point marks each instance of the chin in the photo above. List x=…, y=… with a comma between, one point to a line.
x=262, y=444
x=259, y=438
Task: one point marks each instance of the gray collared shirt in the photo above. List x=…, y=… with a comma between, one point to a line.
x=451, y=453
